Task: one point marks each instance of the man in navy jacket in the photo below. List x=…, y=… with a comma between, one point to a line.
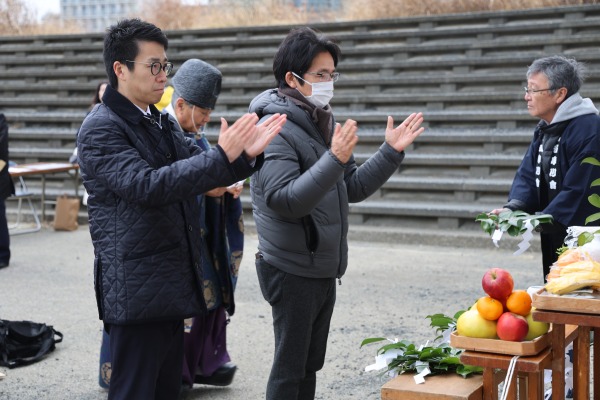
x=551, y=178
x=143, y=179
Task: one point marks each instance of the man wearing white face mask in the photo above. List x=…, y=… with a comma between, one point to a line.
x=322, y=91
x=300, y=204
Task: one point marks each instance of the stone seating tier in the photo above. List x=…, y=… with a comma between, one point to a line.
x=464, y=71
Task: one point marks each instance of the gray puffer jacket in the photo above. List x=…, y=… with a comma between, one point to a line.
x=142, y=181
x=300, y=196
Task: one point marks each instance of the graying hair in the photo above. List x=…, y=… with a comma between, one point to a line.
x=560, y=71
x=176, y=97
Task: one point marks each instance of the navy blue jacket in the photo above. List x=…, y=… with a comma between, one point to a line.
x=6, y=185
x=579, y=138
x=142, y=181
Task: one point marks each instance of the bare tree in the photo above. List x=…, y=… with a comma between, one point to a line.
x=15, y=17
x=173, y=14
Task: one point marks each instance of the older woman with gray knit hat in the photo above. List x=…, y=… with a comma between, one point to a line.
x=197, y=85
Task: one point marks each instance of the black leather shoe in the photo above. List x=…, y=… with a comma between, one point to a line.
x=3, y=264
x=223, y=376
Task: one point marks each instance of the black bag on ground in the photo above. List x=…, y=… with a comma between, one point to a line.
x=25, y=342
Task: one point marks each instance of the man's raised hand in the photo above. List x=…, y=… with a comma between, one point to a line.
x=344, y=139
x=405, y=133
x=233, y=139
x=264, y=134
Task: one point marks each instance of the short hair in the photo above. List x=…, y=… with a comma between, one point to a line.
x=561, y=72
x=121, y=43
x=298, y=50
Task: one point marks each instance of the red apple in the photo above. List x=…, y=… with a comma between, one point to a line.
x=497, y=283
x=513, y=327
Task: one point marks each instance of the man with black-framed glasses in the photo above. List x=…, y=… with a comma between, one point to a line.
x=551, y=178
x=143, y=178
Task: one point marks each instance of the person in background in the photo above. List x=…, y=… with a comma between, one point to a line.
x=98, y=94
x=165, y=99
x=6, y=189
x=143, y=180
x=551, y=178
x=97, y=99
x=197, y=85
x=300, y=203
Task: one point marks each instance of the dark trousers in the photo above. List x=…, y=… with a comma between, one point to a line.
x=551, y=242
x=146, y=361
x=302, y=310
x=4, y=237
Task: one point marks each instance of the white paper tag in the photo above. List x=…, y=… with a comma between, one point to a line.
x=420, y=378
x=496, y=236
x=527, y=236
x=236, y=185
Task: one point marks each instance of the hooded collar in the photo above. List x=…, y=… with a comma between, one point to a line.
x=322, y=117
x=572, y=107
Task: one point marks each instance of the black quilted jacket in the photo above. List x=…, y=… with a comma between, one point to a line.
x=6, y=184
x=142, y=181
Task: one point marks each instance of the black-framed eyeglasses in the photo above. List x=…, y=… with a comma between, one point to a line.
x=156, y=67
x=325, y=76
x=532, y=91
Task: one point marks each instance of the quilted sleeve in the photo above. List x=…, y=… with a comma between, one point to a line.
x=109, y=160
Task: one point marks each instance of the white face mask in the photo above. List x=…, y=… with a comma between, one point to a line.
x=322, y=92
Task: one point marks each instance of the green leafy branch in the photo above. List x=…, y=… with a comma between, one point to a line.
x=440, y=358
x=594, y=198
x=582, y=238
x=513, y=222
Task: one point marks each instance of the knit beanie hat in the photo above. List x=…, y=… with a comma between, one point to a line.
x=198, y=82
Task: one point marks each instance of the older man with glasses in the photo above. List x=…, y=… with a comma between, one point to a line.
x=551, y=178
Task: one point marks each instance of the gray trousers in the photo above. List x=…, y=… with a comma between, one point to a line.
x=302, y=310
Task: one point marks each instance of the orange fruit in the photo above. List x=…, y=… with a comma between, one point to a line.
x=519, y=302
x=489, y=308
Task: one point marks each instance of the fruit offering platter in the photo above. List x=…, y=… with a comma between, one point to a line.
x=501, y=322
x=497, y=346
x=580, y=301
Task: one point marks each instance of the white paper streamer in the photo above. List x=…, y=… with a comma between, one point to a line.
x=420, y=378
x=527, y=236
x=383, y=360
x=496, y=237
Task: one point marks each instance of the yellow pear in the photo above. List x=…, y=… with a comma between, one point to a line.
x=471, y=324
x=536, y=328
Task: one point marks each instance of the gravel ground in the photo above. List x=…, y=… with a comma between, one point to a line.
x=388, y=291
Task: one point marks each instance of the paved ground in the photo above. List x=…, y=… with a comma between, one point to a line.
x=388, y=291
